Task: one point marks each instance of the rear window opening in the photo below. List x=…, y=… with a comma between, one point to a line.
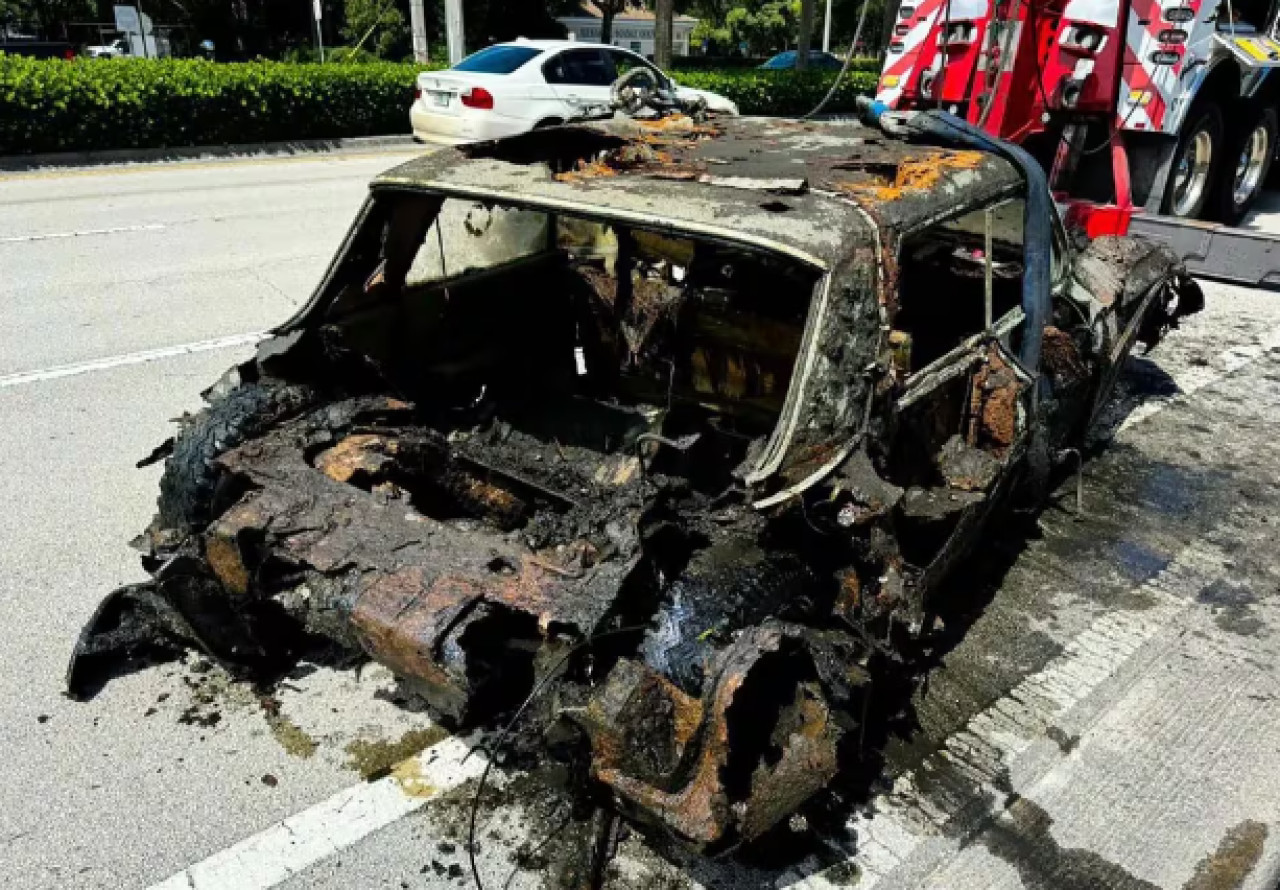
x=497, y=59
x=581, y=343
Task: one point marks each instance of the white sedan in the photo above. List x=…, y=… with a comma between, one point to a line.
x=511, y=88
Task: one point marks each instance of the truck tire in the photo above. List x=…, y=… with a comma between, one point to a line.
x=1196, y=163
x=1247, y=162
x=190, y=480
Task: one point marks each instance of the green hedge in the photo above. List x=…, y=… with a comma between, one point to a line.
x=780, y=92
x=82, y=105
x=52, y=105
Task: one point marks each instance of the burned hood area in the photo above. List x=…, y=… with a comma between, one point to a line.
x=654, y=436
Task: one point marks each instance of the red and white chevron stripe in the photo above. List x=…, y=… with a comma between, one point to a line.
x=1149, y=86
x=907, y=49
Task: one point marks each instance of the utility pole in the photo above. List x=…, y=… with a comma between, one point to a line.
x=142, y=28
x=826, y=29
x=418, y=25
x=453, y=31
x=318, y=13
x=806, y=34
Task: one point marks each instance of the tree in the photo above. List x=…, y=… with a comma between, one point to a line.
x=763, y=25
x=663, y=22
x=494, y=21
x=375, y=25
x=609, y=9
x=805, y=36
x=48, y=17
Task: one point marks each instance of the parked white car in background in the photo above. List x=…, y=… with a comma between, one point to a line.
x=113, y=50
x=514, y=87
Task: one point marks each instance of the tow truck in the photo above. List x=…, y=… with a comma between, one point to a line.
x=1151, y=118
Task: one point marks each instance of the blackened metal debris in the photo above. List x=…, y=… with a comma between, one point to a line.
x=591, y=381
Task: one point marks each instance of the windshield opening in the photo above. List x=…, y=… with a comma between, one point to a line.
x=581, y=334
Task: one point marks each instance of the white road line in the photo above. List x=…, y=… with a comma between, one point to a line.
x=131, y=358
x=976, y=762
x=291, y=845
x=22, y=239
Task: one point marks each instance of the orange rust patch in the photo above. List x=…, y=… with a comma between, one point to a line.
x=678, y=123
x=493, y=497
x=223, y=556
x=586, y=170
x=993, y=406
x=1062, y=356
x=355, y=454
x=850, y=596
x=914, y=175
x=400, y=615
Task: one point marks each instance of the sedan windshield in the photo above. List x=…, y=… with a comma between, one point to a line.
x=497, y=59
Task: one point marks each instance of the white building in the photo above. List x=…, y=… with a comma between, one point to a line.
x=632, y=29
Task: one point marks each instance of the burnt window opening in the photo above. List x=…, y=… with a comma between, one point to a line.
x=578, y=352
x=942, y=289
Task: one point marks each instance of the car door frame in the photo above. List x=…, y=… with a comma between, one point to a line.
x=963, y=359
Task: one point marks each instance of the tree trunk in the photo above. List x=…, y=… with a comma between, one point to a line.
x=890, y=13
x=606, y=23
x=664, y=14
x=806, y=34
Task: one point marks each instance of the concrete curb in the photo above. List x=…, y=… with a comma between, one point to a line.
x=22, y=163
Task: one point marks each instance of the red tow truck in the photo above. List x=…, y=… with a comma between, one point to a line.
x=1152, y=117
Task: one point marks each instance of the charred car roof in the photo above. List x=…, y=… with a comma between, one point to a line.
x=811, y=189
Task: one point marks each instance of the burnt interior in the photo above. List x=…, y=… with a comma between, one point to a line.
x=599, y=354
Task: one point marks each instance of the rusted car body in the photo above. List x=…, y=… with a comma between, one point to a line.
x=694, y=415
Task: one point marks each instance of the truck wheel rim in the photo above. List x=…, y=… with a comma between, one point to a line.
x=1192, y=173
x=1252, y=161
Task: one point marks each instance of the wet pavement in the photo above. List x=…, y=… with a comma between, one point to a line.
x=1104, y=712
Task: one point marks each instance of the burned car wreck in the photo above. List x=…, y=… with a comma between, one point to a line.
x=693, y=415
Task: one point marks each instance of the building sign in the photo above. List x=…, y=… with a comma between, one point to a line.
x=634, y=35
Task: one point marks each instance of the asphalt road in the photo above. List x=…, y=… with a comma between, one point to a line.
x=119, y=289
x=102, y=265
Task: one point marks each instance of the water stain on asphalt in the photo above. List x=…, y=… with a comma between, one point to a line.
x=373, y=758
x=1232, y=606
x=1227, y=867
x=1066, y=743
x=291, y=736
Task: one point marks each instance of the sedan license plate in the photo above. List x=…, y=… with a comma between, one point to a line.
x=439, y=99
